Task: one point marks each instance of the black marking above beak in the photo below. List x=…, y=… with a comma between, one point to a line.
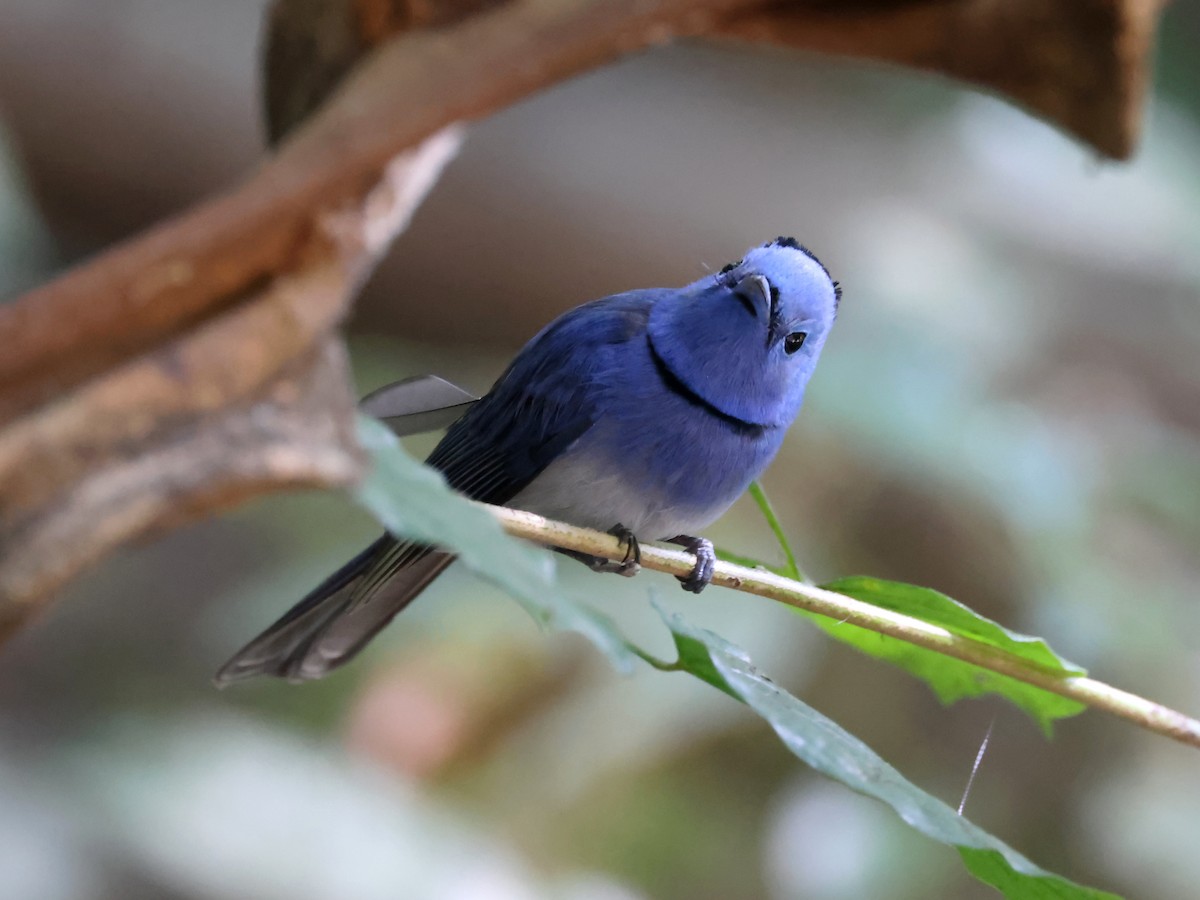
x=755, y=293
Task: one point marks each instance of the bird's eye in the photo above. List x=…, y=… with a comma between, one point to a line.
x=794, y=341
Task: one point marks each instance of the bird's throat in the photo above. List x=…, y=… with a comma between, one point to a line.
x=677, y=386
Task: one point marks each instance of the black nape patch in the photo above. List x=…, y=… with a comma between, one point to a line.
x=793, y=244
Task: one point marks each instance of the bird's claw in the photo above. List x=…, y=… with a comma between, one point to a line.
x=701, y=575
x=631, y=564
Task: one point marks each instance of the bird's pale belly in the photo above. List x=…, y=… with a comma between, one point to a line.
x=591, y=490
x=585, y=492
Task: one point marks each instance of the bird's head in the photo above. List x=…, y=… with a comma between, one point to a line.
x=746, y=339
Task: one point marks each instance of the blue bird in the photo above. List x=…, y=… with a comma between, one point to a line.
x=646, y=414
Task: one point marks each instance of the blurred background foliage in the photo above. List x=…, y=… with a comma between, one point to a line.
x=1007, y=412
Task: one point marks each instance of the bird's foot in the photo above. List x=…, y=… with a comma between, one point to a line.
x=706, y=558
x=632, y=563
x=629, y=566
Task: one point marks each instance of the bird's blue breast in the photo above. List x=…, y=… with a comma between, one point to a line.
x=592, y=426
x=671, y=442
x=657, y=458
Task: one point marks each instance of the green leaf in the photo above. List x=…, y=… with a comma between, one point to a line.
x=412, y=500
x=952, y=679
x=834, y=752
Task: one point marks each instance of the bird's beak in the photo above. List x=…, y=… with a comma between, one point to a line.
x=757, y=290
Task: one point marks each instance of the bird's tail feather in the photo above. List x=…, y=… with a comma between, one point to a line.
x=336, y=620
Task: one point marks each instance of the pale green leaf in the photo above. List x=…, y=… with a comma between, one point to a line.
x=831, y=750
x=412, y=500
x=951, y=679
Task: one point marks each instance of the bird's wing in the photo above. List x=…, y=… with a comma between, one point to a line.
x=537, y=409
x=540, y=406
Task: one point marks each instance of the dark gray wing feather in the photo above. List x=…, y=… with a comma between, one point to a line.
x=416, y=405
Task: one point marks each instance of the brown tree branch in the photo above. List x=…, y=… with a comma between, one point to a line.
x=1084, y=66
x=198, y=364
x=254, y=398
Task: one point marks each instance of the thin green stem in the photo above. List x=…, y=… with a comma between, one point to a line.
x=1145, y=713
x=653, y=661
x=768, y=511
